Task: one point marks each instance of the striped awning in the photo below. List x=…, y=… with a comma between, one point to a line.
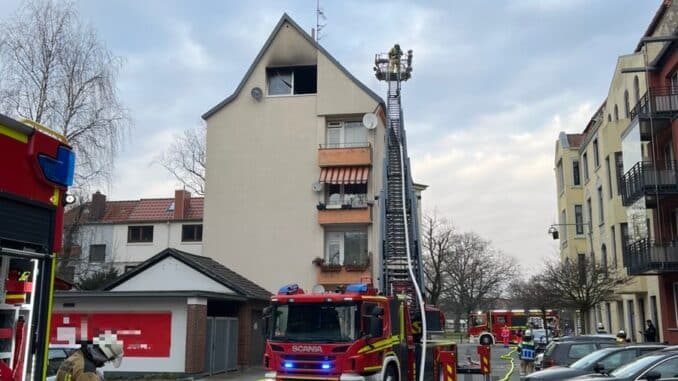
x=344, y=175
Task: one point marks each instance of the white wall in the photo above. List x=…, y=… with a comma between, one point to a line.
x=177, y=306
x=172, y=275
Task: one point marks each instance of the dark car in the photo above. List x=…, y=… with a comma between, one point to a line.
x=565, y=352
x=660, y=365
x=601, y=361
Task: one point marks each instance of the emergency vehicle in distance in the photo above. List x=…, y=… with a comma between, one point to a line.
x=486, y=325
x=38, y=166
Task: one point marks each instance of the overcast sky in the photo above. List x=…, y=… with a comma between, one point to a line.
x=493, y=84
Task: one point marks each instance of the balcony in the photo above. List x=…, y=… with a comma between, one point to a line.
x=345, y=154
x=655, y=110
x=344, y=214
x=646, y=257
x=356, y=270
x=651, y=180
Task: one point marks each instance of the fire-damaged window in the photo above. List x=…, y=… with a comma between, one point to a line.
x=295, y=80
x=140, y=234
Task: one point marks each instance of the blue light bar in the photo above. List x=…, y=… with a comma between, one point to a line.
x=288, y=365
x=288, y=289
x=326, y=366
x=60, y=170
x=357, y=287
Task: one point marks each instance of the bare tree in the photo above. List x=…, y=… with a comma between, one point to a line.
x=437, y=236
x=583, y=284
x=56, y=71
x=536, y=293
x=186, y=158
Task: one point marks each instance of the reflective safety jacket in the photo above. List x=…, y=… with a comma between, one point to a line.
x=77, y=367
x=527, y=350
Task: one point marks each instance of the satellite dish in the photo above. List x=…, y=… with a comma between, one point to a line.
x=318, y=289
x=256, y=93
x=317, y=186
x=370, y=121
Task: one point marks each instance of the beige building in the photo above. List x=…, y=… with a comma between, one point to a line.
x=294, y=178
x=593, y=204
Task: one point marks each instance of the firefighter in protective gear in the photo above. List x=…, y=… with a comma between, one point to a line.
x=527, y=353
x=82, y=364
x=621, y=337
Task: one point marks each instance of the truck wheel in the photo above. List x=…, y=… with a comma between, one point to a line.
x=390, y=374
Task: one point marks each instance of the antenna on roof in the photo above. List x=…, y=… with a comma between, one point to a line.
x=319, y=13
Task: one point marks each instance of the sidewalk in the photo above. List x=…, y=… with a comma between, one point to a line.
x=249, y=374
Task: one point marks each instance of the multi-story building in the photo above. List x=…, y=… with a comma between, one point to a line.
x=100, y=233
x=593, y=202
x=294, y=177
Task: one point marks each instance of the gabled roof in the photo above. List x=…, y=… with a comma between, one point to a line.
x=666, y=4
x=144, y=210
x=286, y=18
x=204, y=265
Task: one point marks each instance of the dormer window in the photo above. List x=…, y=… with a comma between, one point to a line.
x=295, y=80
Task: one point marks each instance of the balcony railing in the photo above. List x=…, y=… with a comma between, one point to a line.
x=344, y=154
x=659, y=101
x=344, y=214
x=646, y=257
x=337, y=201
x=648, y=178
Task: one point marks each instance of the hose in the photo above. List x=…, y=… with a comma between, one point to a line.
x=509, y=357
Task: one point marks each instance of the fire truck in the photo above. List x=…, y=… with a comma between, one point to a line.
x=360, y=334
x=37, y=167
x=487, y=326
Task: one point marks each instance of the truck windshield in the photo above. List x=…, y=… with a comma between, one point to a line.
x=328, y=322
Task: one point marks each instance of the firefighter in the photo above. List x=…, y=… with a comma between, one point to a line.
x=82, y=364
x=505, y=335
x=394, y=57
x=621, y=337
x=527, y=352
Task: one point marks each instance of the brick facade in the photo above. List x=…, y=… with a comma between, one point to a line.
x=196, y=323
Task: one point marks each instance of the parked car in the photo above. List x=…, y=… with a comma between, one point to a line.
x=653, y=366
x=601, y=361
x=565, y=352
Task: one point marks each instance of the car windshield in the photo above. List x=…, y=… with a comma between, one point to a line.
x=632, y=368
x=590, y=359
x=328, y=322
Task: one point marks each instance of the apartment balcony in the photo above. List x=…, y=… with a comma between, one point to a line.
x=646, y=257
x=650, y=180
x=349, y=213
x=356, y=270
x=655, y=111
x=344, y=155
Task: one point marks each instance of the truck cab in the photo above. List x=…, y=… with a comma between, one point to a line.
x=351, y=335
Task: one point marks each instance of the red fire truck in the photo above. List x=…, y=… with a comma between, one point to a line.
x=351, y=335
x=487, y=325
x=37, y=167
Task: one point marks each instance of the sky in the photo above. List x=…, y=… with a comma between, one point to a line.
x=494, y=82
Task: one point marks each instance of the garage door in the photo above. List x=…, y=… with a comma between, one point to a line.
x=221, y=352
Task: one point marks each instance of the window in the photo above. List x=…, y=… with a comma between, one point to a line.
x=601, y=212
x=589, y=210
x=626, y=103
x=578, y=351
x=140, y=234
x=619, y=169
x=346, y=134
x=563, y=223
x=97, y=253
x=191, y=233
x=618, y=359
x=674, y=81
x=585, y=162
x=579, y=219
x=616, y=113
x=613, y=242
x=575, y=173
x=354, y=195
x=668, y=369
x=561, y=176
x=596, y=158
x=346, y=248
x=609, y=176
x=294, y=80
x=636, y=89
x=609, y=117
x=603, y=257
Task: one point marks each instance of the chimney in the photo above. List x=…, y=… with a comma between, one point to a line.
x=97, y=206
x=182, y=201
